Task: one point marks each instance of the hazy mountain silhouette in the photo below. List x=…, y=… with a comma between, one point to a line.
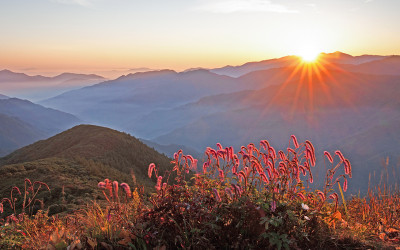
x=343, y=58
x=3, y=97
x=119, y=103
x=15, y=133
x=387, y=66
x=76, y=160
x=170, y=149
x=290, y=61
x=9, y=76
x=41, y=87
x=236, y=71
x=23, y=122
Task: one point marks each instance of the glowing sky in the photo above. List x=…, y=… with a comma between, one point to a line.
x=83, y=35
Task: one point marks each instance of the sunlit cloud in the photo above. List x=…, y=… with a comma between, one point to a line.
x=230, y=6
x=78, y=2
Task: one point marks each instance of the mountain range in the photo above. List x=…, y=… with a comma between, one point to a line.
x=341, y=102
x=334, y=103
x=41, y=87
x=357, y=63
x=23, y=122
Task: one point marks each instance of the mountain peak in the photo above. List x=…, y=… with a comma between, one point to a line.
x=337, y=55
x=109, y=147
x=155, y=73
x=68, y=75
x=6, y=71
x=82, y=140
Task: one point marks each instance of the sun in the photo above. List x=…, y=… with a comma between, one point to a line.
x=309, y=54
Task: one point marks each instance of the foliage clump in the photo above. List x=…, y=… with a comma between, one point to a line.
x=254, y=198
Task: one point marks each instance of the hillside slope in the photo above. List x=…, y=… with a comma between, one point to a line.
x=76, y=160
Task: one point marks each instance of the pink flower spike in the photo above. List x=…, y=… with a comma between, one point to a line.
x=126, y=189
x=340, y=155
x=191, y=159
x=115, y=186
x=158, y=185
x=241, y=175
x=101, y=185
x=269, y=173
x=16, y=188
x=194, y=165
x=272, y=152
x=29, y=181
x=231, y=153
x=282, y=155
x=301, y=196
x=150, y=170
x=263, y=144
x=328, y=155
x=347, y=167
x=309, y=144
x=264, y=178
x=335, y=197
x=205, y=166
x=322, y=195
x=221, y=175
x=311, y=177
x=296, y=144
x=345, y=185
x=216, y=194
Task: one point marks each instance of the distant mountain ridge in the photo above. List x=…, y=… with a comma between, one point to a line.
x=39, y=87
x=11, y=76
x=237, y=71
x=15, y=133
x=23, y=122
x=290, y=61
x=135, y=95
x=389, y=65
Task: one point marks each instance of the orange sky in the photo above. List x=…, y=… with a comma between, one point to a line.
x=52, y=36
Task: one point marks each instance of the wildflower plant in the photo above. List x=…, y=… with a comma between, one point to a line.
x=256, y=197
x=259, y=185
x=25, y=200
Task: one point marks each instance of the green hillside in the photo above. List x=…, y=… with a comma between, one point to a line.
x=76, y=160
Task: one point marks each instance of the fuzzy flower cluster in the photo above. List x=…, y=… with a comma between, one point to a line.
x=113, y=188
x=264, y=168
